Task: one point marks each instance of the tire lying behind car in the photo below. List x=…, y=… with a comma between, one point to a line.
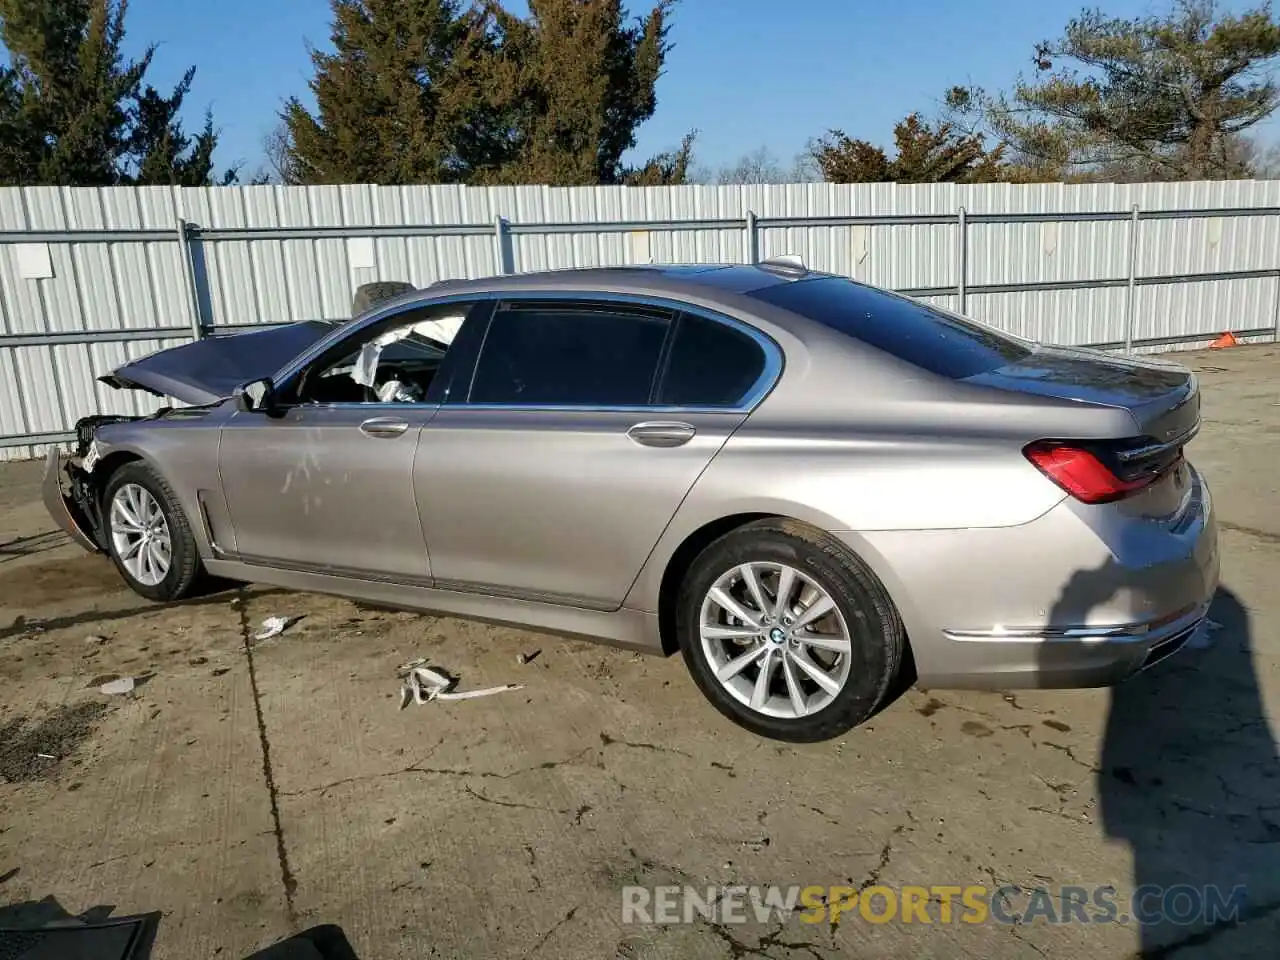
x=370, y=294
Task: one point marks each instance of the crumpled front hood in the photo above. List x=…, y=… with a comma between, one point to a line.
x=208, y=370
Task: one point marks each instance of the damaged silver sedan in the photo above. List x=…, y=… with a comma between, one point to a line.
x=808, y=486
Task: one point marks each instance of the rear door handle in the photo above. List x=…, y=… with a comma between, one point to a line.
x=662, y=433
x=383, y=428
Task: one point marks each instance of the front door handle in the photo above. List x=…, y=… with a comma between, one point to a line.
x=383, y=428
x=662, y=433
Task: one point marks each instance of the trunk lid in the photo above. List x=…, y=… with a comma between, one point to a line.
x=208, y=370
x=1163, y=397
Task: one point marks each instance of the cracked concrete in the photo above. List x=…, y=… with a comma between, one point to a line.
x=247, y=791
x=287, y=881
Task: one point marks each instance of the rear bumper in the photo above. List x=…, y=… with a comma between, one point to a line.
x=62, y=508
x=1082, y=597
x=1088, y=657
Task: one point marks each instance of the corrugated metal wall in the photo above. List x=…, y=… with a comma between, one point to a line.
x=126, y=279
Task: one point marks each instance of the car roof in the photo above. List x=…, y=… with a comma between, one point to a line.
x=705, y=279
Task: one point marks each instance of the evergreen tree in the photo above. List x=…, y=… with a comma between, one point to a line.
x=399, y=99
x=1165, y=97
x=574, y=80
x=74, y=111
x=435, y=91
x=164, y=153
x=925, y=153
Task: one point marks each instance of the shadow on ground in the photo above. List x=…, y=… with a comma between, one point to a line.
x=1189, y=778
x=32, y=545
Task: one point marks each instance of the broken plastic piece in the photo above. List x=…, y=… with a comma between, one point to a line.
x=91, y=457
x=273, y=627
x=116, y=687
x=423, y=685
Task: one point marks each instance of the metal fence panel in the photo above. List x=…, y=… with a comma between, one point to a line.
x=1169, y=311
x=131, y=269
x=1053, y=251
x=1068, y=317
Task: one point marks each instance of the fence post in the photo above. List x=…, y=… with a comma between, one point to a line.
x=189, y=274
x=501, y=239
x=1130, y=301
x=1275, y=331
x=752, y=240
x=962, y=242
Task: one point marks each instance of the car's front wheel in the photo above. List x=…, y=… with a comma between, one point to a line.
x=148, y=536
x=787, y=633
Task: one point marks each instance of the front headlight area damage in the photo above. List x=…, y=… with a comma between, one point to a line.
x=72, y=489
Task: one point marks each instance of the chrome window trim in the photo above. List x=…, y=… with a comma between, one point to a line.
x=547, y=408
x=586, y=408
x=774, y=363
x=361, y=405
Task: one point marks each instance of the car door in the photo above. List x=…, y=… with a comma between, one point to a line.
x=585, y=425
x=323, y=482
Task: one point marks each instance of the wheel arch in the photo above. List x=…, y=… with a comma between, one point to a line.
x=185, y=557
x=691, y=545
x=88, y=493
x=108, y=465
x=681, y=560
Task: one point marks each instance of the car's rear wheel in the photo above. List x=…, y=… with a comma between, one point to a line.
x=787, y=632
x=148, y=536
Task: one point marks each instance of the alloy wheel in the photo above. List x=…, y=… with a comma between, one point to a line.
x=775, y=639
x=140, y=534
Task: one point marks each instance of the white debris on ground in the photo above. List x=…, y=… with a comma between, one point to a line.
x=274, y=626
x=117, y=687
x=421, y=684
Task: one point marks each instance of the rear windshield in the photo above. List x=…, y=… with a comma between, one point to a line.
x=940, y=343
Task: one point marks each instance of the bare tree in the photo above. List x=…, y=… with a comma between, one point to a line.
x=759, y=166
x=277, y=165
x=1261, y=159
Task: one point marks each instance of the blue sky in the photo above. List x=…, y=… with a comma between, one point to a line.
x=745, y=73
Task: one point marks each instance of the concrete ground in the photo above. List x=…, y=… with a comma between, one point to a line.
x=248, y=791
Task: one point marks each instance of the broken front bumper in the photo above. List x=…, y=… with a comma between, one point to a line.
x=64, y=509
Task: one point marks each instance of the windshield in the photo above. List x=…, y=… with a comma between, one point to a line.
x=940, y=342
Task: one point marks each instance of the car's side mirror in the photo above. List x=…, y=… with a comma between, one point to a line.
x=255, y=395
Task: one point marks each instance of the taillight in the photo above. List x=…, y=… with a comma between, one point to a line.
x=1080, y=472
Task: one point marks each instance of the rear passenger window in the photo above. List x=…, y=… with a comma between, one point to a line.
x=587, y=355
x=942, y=343
x=711, y=365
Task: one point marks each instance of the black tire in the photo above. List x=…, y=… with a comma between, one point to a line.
x=369, y=294
x=875, y=628
x=185, y=569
